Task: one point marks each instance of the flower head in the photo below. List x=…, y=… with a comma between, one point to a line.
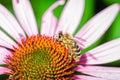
x=29, y=54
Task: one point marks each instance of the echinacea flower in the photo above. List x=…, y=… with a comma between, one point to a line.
x=39, y=56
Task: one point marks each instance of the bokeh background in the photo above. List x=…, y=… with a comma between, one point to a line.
x=91, y=8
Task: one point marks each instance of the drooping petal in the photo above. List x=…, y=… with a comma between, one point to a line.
x=97, y=26
x=105, y=73
x=5, y=41
x=49, y=21
x=3, y=55
x=9, y=24
x=25, y=15
x=71, y=16
x=84, y=77
x=4, y=70
x=102, y=54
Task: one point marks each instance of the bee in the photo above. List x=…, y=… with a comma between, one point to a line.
x=70, y=44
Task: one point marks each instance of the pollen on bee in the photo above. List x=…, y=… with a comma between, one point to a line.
x=70, y=44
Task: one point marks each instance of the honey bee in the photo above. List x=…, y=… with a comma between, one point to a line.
x=70, y=44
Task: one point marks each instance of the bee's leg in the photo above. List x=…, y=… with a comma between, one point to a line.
x=76, y=58
x=77, y=53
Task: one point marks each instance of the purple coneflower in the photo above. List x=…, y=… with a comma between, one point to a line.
x=30, y=55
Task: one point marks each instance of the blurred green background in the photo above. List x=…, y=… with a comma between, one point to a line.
x=91, y=8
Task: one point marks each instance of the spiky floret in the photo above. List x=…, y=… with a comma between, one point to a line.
x=40, y=58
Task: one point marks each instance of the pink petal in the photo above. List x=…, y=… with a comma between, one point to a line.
x=105, y=73
x=105, y=53
x=25, y=15
x=9, y=24
x=98, y=25
x=83, y=77
x=5, y=44
x=49, y=21
x=3, y=55
x=5, y=41
x=4, y=70
x=71, y=16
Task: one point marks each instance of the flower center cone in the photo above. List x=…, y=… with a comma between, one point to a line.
x=40, y=58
